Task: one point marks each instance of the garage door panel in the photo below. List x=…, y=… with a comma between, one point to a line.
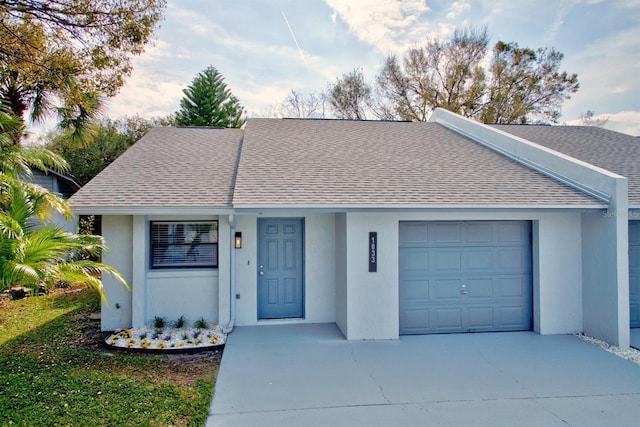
x=479, y=288
x=446, y=233
x=480, y=232
x=448, y=318
x=414, y=233
x=413, y=262
x=415, y=321
x=510, y=260
x=481, y=317
x=515, y=287
x=446, y=289
x=480, y=259
x=478, y=275
x=513, y=317
x=515, y=232
x=445, y=260
x=414, y=291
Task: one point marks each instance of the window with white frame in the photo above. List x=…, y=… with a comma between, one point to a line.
x=186, y=244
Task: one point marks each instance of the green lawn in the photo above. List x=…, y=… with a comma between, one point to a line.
x=53, y=373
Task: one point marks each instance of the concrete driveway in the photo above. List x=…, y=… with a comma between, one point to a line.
x=309, y=375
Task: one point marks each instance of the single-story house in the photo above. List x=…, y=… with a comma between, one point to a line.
x=385, y=228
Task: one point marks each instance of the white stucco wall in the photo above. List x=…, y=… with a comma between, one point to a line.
x=319, y=285
x=189, y=293
x=341, y=272
x=117, y=231
x=606, y=276
x=558, y=276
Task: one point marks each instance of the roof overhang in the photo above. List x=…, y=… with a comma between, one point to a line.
x=154, y=210
x=279, y=208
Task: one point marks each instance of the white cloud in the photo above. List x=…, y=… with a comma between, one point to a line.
x=562, y=10
x=388, y=25
x=624, y=121
x=456, y=9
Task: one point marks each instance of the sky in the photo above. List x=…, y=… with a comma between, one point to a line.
x=266, y=48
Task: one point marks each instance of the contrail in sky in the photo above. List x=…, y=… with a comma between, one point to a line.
x=295, y=40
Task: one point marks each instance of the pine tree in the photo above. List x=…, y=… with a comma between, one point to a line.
x=209, y=102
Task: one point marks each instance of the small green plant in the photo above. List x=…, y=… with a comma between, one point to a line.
x=179, y=323
x=201, y=324
x=159, y=322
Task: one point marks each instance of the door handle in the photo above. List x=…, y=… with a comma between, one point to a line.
x=261, y=273
x=464, y=290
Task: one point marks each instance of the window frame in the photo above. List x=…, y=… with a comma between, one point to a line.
x=154, y=265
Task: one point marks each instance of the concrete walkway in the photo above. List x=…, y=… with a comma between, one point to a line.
x=309, y=375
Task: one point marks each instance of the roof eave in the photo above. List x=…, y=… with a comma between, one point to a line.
x=274, y=207
x=151, y=210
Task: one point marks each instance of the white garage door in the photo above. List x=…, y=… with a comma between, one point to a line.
x=465, y=276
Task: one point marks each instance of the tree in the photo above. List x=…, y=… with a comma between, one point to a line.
x=63, y=56
x=209, y=102
x=33, y=250
x=108, y=140
x=301, y=106
x=443, y=73
x=350, y=97
x=520, y=84
x=526, y=84
x=589, y=118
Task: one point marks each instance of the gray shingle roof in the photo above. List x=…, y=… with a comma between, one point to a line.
x=607, y=149
x=394, y=164
x=168, y=167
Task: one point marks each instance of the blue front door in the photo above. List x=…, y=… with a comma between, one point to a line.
x=280, y=268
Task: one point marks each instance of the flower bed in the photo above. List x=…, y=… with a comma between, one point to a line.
x=164, y=339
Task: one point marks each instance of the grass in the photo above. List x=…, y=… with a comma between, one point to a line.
x=53, y=373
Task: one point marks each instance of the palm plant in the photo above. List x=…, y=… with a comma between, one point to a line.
x=33, y=249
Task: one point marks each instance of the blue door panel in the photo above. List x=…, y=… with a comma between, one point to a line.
x=280, y=268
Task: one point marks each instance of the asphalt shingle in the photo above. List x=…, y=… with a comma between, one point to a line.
x=393, y=164
x=168, y=167
x=613, y=151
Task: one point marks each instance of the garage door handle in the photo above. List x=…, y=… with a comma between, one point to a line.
x=464, y=291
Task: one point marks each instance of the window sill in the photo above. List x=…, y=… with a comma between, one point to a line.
x=182, y=272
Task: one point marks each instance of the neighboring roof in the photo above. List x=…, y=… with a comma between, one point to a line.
x=67, y=185
x=613, y=151
x=341, y=163
x=168, y=168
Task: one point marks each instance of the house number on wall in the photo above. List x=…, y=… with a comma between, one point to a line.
x=373, y=252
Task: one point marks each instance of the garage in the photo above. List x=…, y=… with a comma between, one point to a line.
x=465, y=276
x=634, y=273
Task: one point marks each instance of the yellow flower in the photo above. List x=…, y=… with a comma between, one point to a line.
x=214, y=339
x=126, y=333
x=161, y=345
x=131, y=342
